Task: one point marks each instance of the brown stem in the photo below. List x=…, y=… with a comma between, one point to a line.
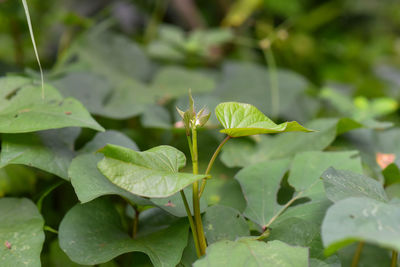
x=357, y=254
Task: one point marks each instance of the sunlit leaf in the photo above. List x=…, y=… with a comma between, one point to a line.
x=241, y=119
x=152, y=173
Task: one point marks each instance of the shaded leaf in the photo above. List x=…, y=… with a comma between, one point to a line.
x=260, y=184
x=242, y=153
x=25, y=111
x=250, y=252
x=308, y=167
x=361, y=219
x=21, y=233
x=16, y=180
x=89, y=183
x=51, y=151
x=215, y=224
x=92, y=233
x=152, y=173
x=108, y=137
x=343, y=184
x=174, y=203
x=250, y=83
x=241, y=119
x=173, y=82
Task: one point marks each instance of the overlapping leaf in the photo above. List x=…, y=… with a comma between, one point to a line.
x=23, y=110
x=92, y=233
x=250, y=252
x=88, y=181
x=152, y=173
x=50, y=150
x=240, y=153
x=361, y=219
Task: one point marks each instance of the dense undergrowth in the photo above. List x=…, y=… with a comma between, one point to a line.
x=103, y=169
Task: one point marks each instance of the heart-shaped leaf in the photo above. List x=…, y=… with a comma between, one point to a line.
x=214, y=221
x=250, y=252
x=21, y=233
x=92, y=233
x=361, y=219
x=23, y=110
x=50, y=150
x=343, y=184
x=152, y=173
x=260, y=184
x=241, y=119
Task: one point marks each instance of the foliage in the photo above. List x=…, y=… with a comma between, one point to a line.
x=113, y=165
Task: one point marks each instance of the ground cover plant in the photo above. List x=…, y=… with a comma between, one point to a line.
x=230, y=133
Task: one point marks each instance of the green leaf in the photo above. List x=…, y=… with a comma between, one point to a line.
x=51, y=150
x=250, y=83
x=107, y=58
x=21, y=233
x=371, y=255
x=299, y=232
x=89, y=183
x=172, y=82
x=308, y=167
x=361, y=219
x=86, y=178
x=92, y=233
x=108, y=137
x=343, y=184
x=152, y=173
x=215, y=224
x=249, y=252
x=300, y=224
x=23, y=110
x=260, y=184
x=174, y=204
x=241, y=119
x=241, y=153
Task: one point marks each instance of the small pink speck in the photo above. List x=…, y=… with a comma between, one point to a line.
x=7, y=244
x=169, y=204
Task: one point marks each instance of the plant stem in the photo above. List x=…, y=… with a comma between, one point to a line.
x=210, y=164
x=190, y=145
x=394, y=258
x=192, y=226
x=135, y=222
x=196, y=202
x=357, y=254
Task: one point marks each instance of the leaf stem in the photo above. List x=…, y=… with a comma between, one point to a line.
x=211, y=162
x=196, y=202
x=135, y=222
x=357, y=254
x=394, y=258
x=192, y=226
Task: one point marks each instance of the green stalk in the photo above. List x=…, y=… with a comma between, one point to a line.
x=192, y=226
x=357, y=254
x=135, y=222
x=196, y=199
x=394, y=258
x=210, y=164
